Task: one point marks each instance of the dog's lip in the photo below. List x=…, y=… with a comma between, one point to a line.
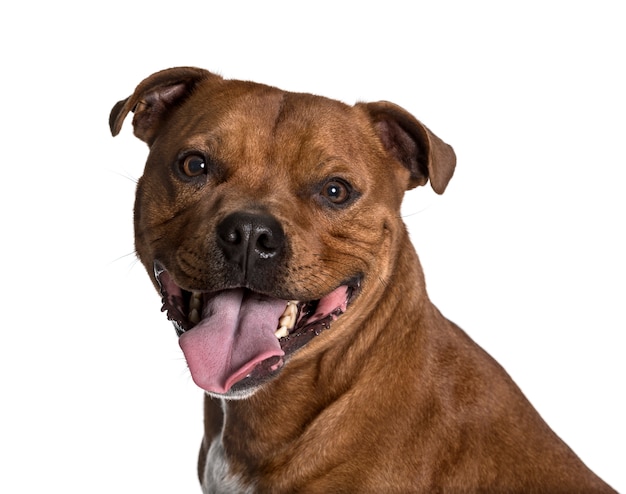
x=174, y=301
x=313, y=318
x=313, y=324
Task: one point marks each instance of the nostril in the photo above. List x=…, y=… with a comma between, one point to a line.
x=233, y=237
x=265, y=245
x=246, y=238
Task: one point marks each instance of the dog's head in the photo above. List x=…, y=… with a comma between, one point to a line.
x=263, y=216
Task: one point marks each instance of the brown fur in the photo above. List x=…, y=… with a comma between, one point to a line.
x=394, y=397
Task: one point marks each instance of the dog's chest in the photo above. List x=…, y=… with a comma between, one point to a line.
x=218, y=478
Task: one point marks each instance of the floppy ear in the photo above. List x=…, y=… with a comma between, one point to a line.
x=413, y=144
x=154, y=98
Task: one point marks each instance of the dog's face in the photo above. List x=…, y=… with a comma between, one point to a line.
x=266, y=218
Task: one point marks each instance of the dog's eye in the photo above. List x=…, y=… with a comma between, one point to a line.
x=336, y=191
x=193, y=165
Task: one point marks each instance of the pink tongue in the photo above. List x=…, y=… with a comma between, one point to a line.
x=235, y=334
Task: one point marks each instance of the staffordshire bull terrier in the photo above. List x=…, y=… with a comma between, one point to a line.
x=269, y=222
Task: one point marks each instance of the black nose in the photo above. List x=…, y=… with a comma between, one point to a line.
x=250, y=240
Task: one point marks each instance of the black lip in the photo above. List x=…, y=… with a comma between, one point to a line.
x=174, y=305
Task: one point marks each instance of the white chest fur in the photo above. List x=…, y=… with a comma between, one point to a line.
x=218, y=478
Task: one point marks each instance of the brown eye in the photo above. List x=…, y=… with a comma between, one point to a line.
x=336, y=191
x=193, y=165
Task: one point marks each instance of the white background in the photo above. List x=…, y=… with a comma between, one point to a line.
x=525, y=250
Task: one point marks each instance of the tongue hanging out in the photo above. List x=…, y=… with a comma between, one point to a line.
x=235, y=335
x=236, y=339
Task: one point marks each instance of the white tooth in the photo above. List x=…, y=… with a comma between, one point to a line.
x=288, y=317
x=281, y=332
x=285, y=320
x=194, y=316
x=196, y=301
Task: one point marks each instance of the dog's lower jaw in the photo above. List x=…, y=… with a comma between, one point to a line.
x=236, y=394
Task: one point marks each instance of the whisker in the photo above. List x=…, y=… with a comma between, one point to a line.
x=126, y=176
x=124, y=256
x=414, y=213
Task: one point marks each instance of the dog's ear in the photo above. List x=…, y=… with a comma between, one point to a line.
x=413, y=144
x=154, y=98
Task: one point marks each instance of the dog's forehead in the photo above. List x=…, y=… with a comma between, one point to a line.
x=260, y=110
x=246, y=122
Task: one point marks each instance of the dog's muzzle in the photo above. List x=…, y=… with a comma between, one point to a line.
x=236, y=338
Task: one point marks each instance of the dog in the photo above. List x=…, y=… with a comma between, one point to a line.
x=269, y=222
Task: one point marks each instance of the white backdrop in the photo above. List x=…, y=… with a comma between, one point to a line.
x=525, y=250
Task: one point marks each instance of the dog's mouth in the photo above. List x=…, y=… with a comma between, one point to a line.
x=236, y=339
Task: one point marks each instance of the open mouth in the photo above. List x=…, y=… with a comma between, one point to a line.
x=235, y=339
